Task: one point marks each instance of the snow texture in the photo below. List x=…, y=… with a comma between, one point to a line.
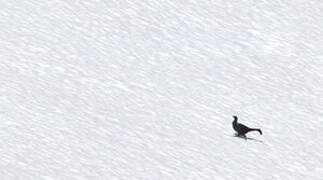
x=144, y=89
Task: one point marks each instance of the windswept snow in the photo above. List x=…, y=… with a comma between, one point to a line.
x=143, y=89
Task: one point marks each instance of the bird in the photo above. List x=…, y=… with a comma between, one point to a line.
x=241, y=129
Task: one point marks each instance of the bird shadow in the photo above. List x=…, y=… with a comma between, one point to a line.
x=247, y=138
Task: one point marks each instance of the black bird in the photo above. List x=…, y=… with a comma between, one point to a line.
x=241, y=129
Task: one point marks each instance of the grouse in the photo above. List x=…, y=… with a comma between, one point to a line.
x=241, y=129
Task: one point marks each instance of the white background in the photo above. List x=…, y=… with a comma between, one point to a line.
x=145, y=89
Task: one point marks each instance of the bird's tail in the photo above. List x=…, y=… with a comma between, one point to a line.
x=259, y=130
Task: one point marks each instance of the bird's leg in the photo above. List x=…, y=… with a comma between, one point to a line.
x=243, y=136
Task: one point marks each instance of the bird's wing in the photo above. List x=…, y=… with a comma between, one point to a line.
x=243, y=126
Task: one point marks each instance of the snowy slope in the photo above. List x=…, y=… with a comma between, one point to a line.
x=146, y=89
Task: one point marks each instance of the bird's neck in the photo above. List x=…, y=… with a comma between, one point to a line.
x=234, y=122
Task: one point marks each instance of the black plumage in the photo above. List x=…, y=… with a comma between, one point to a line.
x=241, y=129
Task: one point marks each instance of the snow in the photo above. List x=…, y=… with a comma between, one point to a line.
x=146, y=89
